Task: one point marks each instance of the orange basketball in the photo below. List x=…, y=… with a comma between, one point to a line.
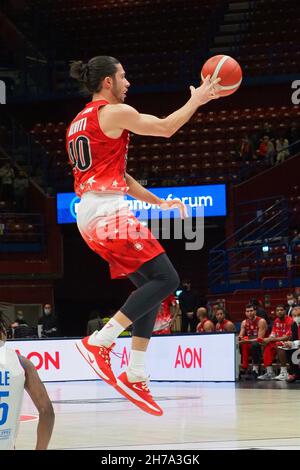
x=226, y=68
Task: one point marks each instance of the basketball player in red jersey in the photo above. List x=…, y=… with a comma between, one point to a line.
x=97, y=144
x=222, y=323
x=205, y=325
x=281, y=331
x=253, y=330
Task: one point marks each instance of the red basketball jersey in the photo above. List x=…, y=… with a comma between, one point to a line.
x=251, y=327
x=220, y=327
x=200, y=326
x=282, y=327
x=98, y=161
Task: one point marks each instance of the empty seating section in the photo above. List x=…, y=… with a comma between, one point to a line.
x=256, y=268
x=154, y=51
x=161, y=42
x=264, y=37
x=20, y=229
x=203, y=151
x=265, y=248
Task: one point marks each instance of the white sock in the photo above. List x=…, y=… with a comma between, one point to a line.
x=136, y=367
x=283, y=370
x=255, y=368
x=107, y=335
x=270, y=370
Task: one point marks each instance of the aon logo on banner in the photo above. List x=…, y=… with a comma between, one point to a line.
x=188, y=358
x=43, y=360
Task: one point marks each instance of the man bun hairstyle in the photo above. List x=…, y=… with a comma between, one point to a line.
x=92, y=73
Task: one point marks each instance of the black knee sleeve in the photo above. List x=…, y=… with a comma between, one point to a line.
x=161, y=279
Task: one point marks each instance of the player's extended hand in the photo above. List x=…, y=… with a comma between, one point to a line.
x=267, y=340
x=207, y=91
x=174, y=203
x=243, y=339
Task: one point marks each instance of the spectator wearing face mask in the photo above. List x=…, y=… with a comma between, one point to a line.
x=291, y=303
x=20, y=328
x=20, y=320
x=48, y=322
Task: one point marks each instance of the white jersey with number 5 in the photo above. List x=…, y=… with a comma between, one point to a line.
x=12, y=380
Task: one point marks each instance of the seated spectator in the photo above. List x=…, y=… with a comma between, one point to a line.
x=288, y=348
x=95, y=323
x=246, y=149
x=252, y=328
x=20, y=327
x=48, y=323
x=222, y=323
x=281, y=331
x=20, y=320
x=282, y=149
x=166, y=316
x=266, y=151
x=205, y=325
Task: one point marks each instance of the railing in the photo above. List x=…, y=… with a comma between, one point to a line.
x=249, y=170
x=240, y=257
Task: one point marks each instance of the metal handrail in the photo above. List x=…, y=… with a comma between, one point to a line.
x=247, y=225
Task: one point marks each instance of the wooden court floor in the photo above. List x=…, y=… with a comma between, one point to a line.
x=91, y=415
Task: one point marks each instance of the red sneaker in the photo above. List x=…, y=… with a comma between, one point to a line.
x=98, y=357
x=138, y=393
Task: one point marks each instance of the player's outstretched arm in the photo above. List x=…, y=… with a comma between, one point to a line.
x=37, y=392
x=122, y=116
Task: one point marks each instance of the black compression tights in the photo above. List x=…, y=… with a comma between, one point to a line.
x=155, y=280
